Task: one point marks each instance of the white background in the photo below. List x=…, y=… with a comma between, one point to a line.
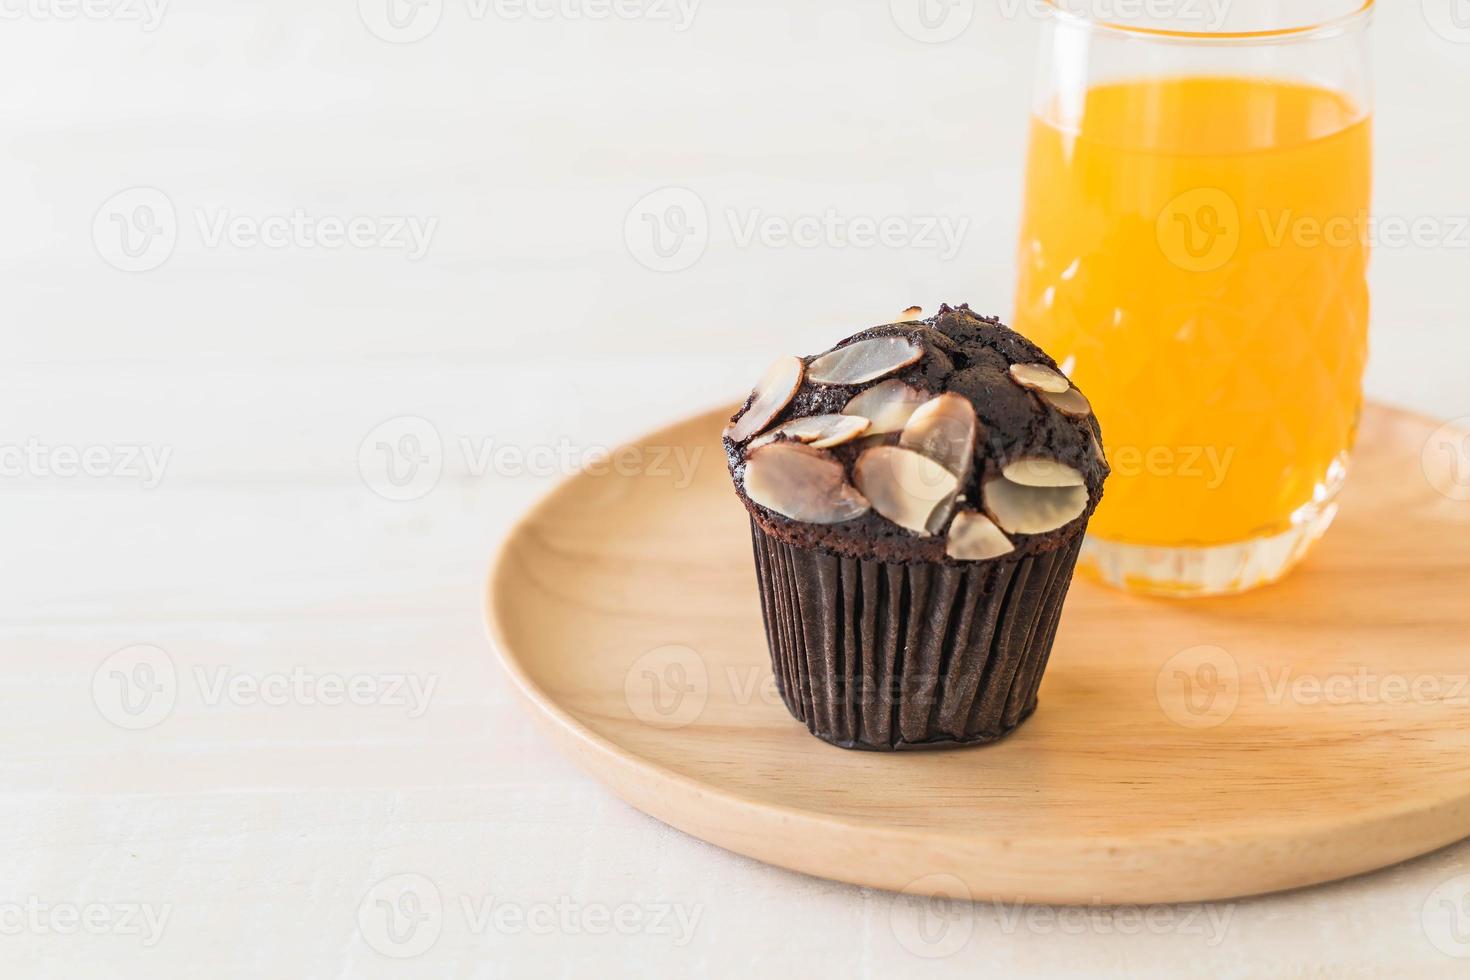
x=259, y=829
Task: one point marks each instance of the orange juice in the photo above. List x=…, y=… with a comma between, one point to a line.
x=1195, y=249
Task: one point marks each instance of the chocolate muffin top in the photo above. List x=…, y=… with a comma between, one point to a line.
x=948, y=440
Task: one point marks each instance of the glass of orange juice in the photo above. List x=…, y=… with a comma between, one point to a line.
x=1194, y=251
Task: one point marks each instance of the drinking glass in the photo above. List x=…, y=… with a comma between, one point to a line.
x=1194, y=252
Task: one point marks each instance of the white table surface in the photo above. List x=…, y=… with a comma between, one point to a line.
x=253, y=828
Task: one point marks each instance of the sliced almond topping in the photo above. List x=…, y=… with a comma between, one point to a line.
x=1035, y=471
x=943, y=429
x=1021, y=509
x=871, y=441
x=866, y=360
x=904, y=487
x=773, y=393
x=940, y=517
x=802, y=483
x=817, y=431
x=974, y=537
x=1039, y=377
x=1070, y=402
x=913, y=313
x=887, y=405
x=1097, y=450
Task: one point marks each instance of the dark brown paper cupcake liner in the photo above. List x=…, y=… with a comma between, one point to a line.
x=881, y=655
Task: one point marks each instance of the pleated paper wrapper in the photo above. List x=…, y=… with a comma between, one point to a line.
x=882, y=655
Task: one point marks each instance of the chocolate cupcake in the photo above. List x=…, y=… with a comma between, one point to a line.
x=917, y=497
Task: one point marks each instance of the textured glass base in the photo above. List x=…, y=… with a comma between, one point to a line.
x=1213, y=570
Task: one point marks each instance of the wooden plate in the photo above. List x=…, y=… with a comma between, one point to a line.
x=1182, y=751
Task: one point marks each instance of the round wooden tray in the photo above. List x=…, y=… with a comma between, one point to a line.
x=1182, y=751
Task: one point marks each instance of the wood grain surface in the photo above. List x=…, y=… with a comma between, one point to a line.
x=1182, y=750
